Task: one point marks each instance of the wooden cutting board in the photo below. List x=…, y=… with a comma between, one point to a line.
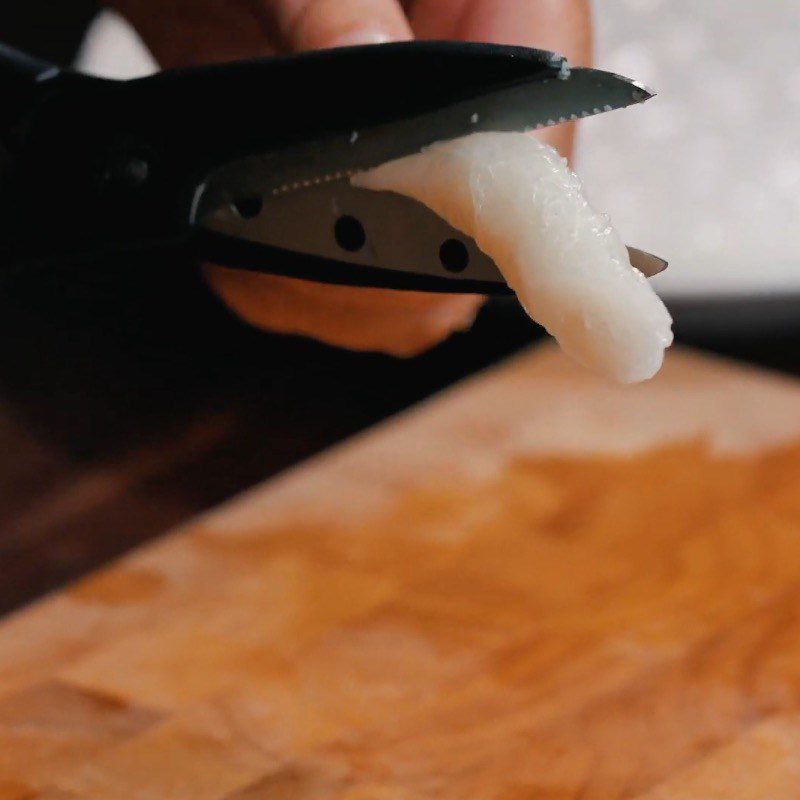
x=536, y=585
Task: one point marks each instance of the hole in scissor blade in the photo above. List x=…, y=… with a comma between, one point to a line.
x=454, y=255
x=349, y=233
x=248, y=207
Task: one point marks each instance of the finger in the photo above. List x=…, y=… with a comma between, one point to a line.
x=563, y=26
x=188, y=32
x=400, y=323
x=559, y=25
x=313, y=24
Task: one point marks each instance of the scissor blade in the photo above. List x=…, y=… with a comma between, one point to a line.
x=332, y=231
x=340, y=223
x=531, y=104
x=528, y=105
x=536, y=104
x=648, y=264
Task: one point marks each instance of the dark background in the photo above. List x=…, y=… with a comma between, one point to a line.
x=130, y=399
x=47, y=28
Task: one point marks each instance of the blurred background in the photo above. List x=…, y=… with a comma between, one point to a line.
x=709, y=171
x=130, y=399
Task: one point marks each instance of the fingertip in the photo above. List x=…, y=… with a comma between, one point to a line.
x=563, y=26
x=317, y=24
x=361, y=36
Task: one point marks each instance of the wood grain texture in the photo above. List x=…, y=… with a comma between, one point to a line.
x=113, y=431
x=534, y=586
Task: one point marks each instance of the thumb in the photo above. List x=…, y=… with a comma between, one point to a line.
x=315, y=24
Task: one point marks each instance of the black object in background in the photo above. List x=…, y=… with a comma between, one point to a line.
x=49, y=29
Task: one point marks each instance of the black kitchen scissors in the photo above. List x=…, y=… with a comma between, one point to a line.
x=247, y=164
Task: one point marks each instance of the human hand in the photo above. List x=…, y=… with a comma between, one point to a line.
x=188, y=32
